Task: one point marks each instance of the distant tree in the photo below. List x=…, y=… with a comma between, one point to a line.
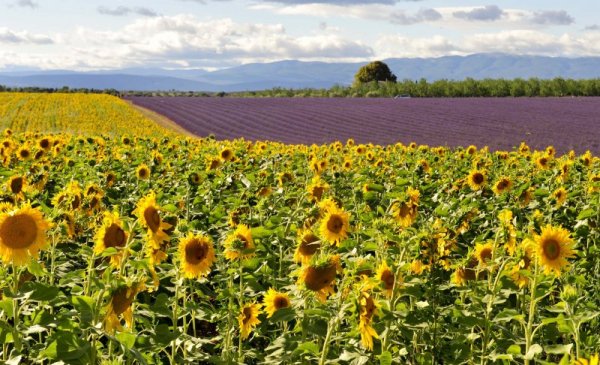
x=374, y=71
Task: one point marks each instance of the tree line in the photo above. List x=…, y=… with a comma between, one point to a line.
x=64, y=89
x=532, y=87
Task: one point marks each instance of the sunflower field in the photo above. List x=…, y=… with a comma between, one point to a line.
x=76, y=113
x=154, y=248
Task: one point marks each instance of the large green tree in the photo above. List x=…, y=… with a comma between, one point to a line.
x=374, y=71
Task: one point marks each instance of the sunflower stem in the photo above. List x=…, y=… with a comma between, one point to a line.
x=532, y=303
x=52, y=254
x=392, y=302
x=16, y=309
x=175, y=317
x=88, y=282
x=332, y=327
x=241, y=298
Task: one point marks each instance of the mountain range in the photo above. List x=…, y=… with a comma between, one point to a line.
x=298, y=74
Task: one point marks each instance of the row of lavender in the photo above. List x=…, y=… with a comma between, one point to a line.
x=500, y=123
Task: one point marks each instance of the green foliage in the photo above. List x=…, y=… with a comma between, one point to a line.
x=374, y=71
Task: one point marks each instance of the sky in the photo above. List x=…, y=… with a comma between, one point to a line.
x=212, y=34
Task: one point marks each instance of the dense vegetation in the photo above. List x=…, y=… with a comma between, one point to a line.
x=165, y=249
x=533, y=87
x=74, y=113
x=374, y=72
x=62, y=90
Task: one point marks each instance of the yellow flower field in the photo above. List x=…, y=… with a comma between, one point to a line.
x=121, y=242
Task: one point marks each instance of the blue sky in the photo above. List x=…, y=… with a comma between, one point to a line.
x=210, y=34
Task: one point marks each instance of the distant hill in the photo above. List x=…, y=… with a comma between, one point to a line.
x=297, y=74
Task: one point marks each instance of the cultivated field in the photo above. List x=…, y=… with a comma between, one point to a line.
x=74, y=113
x=500, y=123
x=150, y=247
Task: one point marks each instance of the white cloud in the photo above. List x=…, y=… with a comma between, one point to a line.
x=26, y=4
x=16, y=37
x=183, y=39
x=124, y=10
x=374, y=11
x=529, y=42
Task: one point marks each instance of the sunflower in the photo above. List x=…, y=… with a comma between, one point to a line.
x=212, y=163
x=326, y=205
x=335, y=225
x=264, y=192
x=197, y=255
x=476, y=179
x=308, y=245
x=23, y=153
x=347, y=165
x=554, y=246
x=368, y=309
x=524, y=257
x=120, y=304
x=226, y=154
x=405, y=213
x=285, y=178
x=194, y=178
x=143, y=172
x=16, y=185
x=320, y=277
x=274, y=301
x=248, y=319
x=505, y=217
x=110, y=179
x=503, y=185
x=22, y=234
x=316, y=189
x=417, y=267
x=560, y=195
x=542, y=161
x=111, y=234
x=593, y=360
x=386, y=277
x=484, y=253
x=239, y=244
x=147, y=213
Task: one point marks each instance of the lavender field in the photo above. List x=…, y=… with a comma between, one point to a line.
x=500, y=123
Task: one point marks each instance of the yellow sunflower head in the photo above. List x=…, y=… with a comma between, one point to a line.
x=110, y=179
x=316, y=189
x=120, y=304
x=16, y=184
x=320, y=277
x=308, y=245
x=542, y=161
x=405, y=213
x=226, y=154
x=503, y=185
x=239, y=244
x=560, y=195
x=367, y=310
x=553, y=247
x=197, y=255
x=45, y=143
x=484, y=253
x=248, y=319
x=274, y=301
x=476, y=179
x=148, y=215
x=22, y=234
x=143, y=172
x=386, y=277
x=111, y=234
x=335, y=225
x=23, y=153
